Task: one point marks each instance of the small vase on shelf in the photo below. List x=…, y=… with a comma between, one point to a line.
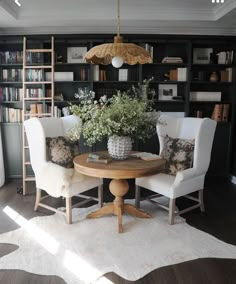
x=213, y=77
x=119, y=147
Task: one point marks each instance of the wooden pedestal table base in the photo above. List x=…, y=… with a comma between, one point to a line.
x=119, y=188
x=119, y=172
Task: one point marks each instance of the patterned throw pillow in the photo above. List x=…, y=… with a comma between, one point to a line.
x=62, y=151
x=178, y=154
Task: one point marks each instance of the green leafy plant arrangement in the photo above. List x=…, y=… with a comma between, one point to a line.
x=120, y=115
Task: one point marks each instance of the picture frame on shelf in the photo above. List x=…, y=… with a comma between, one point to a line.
x=202, y=55
x=166, y=92
x=76, y=54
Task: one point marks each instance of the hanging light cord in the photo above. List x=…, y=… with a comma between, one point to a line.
x=118, y=17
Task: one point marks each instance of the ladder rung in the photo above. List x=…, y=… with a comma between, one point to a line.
x=38, y=99
x=26, y=147
x=37, y=114
x=38, y=66
x=39, y=50
x=27, y=163
x=29, y=179
x=37, y=82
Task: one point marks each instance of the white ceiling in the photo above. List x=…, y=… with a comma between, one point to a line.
x=100, y=16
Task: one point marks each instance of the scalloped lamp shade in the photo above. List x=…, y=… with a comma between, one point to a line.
x=131, y=53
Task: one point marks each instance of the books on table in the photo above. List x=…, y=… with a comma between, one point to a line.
x=146, y=156
x=99, y=158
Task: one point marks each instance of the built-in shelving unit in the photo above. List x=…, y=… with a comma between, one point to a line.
x=196, y=58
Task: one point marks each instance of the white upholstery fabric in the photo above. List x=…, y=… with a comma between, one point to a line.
x=2, y=171
x=55, y=180
x=189, y=180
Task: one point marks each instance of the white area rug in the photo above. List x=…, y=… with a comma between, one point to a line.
x=89, y=248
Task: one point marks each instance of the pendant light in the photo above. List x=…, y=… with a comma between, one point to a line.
x=118, y=52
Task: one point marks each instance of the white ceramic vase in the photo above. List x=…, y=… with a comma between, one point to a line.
x=119, y=147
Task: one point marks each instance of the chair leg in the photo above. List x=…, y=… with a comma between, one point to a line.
x=171, y=211
x=100, y=196
x=137, y=196
x=68, y=210
x=38, y=197
x=201, y=201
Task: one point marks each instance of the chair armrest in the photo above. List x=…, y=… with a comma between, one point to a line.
x=186, y=174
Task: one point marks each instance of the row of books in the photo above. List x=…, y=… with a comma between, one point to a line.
x=223, y=75
x=11, y=57
x=149, y=49
x=39, y=110
x=11, y=94
x=221, y=112
x=34, y=75
x=225, y=57
x=10, y=114
x=11, y=75
x=179, y=74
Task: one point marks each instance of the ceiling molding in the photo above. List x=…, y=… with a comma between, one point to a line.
x=185, y=29
x=222, y=10
x=9, y=9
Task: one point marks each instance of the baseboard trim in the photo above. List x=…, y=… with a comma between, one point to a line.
x=233, y=179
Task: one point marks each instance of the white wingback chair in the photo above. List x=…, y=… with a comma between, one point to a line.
x=188, y=180
x=56, y=180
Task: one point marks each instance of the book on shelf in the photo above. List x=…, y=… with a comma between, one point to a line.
x=199, y=114
x=217, y=112
x=123, y=75
x=102, y=75
x=226, y=75
x=149, y=49
x=96, y=72
x=225, y=113
x=39, y=109
x=99, y=158
x=33, y=110
x=83, y=76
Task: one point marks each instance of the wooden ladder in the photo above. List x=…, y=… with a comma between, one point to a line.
x=34, y=76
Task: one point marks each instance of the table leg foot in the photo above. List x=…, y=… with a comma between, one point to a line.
x=132, y=210
x=105, y=210
x=119, y=215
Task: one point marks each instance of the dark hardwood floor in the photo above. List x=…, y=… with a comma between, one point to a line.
x=219, y=220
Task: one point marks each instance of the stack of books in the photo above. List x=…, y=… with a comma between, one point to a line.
x=146, y=156
x=99, y=158
x=221, y=112
x=172, y=60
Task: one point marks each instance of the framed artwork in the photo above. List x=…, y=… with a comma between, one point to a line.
x=167, y=91
x=76, y=54
x=202, y=55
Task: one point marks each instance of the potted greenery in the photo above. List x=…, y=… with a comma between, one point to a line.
x=121, y=119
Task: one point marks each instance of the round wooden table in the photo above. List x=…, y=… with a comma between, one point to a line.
x=118, y=171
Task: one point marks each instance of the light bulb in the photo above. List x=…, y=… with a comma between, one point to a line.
x=117, y=61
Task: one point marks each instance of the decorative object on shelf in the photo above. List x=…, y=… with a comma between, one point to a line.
x=143, y=91
x=121, y=115
x=119, y=147
x=213, y=77
x=118, y=52
x=76, y=54
x=167, y=92
x=202, y=55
